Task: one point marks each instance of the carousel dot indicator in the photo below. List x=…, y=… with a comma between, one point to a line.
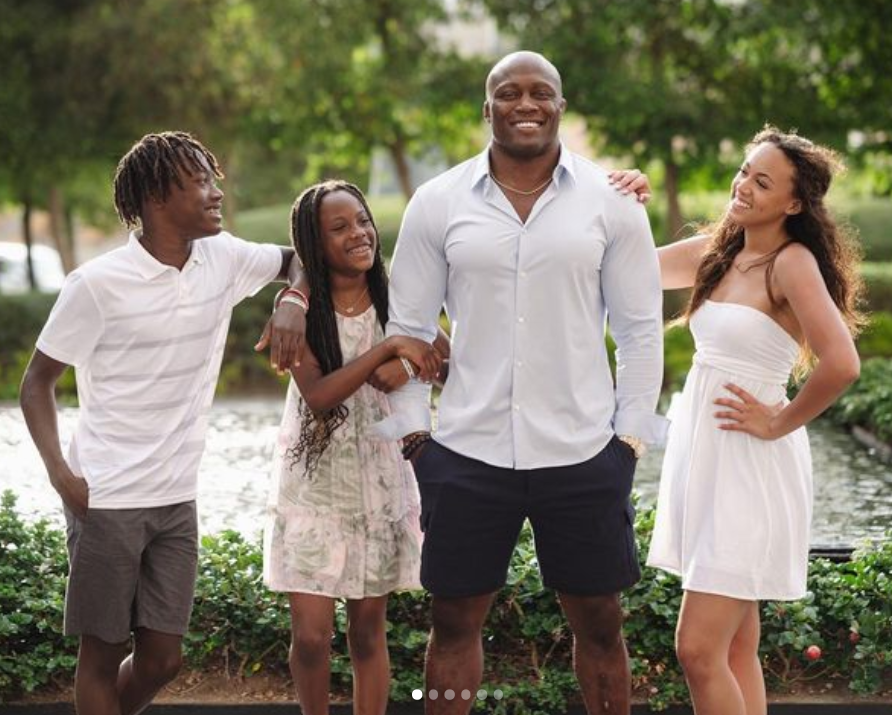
x=417, y=694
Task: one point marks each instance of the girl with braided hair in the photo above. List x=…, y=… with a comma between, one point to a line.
x=775, y=291
x=344, y=507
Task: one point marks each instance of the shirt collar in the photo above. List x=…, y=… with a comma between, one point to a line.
x=150, y=267
x=565, y=167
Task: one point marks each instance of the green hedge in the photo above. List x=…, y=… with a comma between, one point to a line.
x=872, y=217
x=868, y=403
x=878, y=277
x=23, y=316
x=240, y=626
x=245, y=370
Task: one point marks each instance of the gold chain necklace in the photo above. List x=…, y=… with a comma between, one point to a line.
x=350, y=308
x=520, y=191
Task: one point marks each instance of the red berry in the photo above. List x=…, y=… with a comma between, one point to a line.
x=854, y=637
x=813, y=652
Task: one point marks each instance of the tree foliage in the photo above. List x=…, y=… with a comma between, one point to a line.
x=300, y=89
x=677, y=81
x=357, y=74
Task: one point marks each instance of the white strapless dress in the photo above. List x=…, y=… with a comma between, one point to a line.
x=734, y=511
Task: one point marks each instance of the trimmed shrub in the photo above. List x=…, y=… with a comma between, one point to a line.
x=876, y=340
x=868, y=403
x=241, y=627
x=33, y=569
x=878, y=280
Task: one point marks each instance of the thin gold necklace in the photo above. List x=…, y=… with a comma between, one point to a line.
x=519, y=191
x=350, y=308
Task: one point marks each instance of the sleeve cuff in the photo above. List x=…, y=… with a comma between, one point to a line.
x=406, y=418
x=650, y=427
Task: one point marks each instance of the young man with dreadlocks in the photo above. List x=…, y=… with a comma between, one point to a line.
x=144, y=327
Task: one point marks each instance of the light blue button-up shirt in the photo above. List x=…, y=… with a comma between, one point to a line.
x=529, y=382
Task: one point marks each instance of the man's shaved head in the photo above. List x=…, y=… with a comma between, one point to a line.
x=523, y=59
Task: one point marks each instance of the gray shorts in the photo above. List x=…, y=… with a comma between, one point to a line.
x=129, y=569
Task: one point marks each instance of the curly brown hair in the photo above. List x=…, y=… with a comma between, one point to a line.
x=834, y=246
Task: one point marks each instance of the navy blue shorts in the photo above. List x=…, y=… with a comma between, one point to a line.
x=581, y=515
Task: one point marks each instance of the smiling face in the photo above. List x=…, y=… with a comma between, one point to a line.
x=349, y=240
x=195, y=210
x=524, y=105
x=762, y=192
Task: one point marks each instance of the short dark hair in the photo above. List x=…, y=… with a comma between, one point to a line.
x=151, y=165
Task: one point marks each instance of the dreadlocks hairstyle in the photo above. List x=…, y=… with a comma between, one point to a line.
x=834, y=246
x=322, y=328
x=151, y=166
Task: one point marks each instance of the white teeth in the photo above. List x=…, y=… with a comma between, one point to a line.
x=527, y=125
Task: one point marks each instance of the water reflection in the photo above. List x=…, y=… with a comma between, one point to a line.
x=853, y=490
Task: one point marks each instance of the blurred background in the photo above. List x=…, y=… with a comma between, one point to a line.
x=387, y=93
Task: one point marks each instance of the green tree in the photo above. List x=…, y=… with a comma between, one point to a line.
x=357, y=74
x=685, y=82
x=53, y=127
x=649, y=77
x=853, y=74
x=201, y=66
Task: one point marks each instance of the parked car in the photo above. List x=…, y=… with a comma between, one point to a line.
x=48, y=272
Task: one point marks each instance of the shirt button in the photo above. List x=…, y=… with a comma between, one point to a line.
x=517, y=408
x=523, y=274
x=520, y=319
x=519, y=363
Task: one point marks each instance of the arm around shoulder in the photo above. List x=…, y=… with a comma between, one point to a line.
x=680, y=261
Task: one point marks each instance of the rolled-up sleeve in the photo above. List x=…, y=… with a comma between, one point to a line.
x=630, y=282
x=417, y=291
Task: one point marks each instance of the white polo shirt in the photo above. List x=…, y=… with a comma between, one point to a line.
x=146, y=341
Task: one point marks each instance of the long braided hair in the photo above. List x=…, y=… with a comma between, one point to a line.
x=151, y=166
x=322, y=327
x=834, y=246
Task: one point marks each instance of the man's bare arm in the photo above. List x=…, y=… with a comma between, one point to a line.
x=38, y=400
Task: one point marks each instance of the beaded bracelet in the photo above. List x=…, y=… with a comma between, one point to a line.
x=413, y=442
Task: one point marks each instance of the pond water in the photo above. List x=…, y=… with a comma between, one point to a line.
x=853, y=489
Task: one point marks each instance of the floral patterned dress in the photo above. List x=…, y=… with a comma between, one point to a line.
x=350, y=529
